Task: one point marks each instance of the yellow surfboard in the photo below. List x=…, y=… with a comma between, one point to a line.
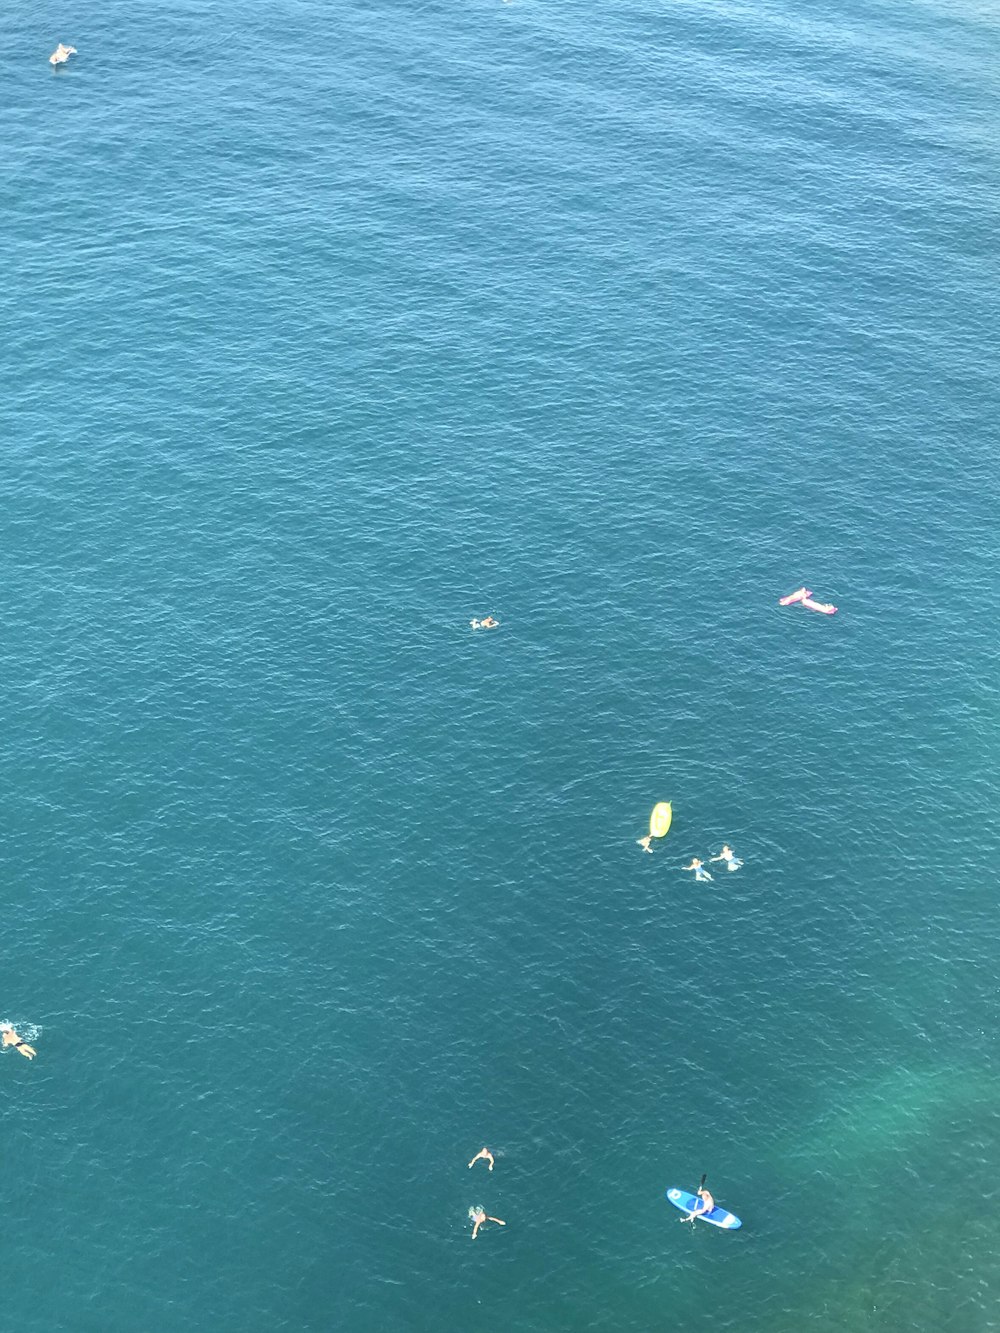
x=659, y=820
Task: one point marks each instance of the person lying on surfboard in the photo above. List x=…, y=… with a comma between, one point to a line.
x=705, y=1204
x=487, y=623
x=61, y=54
x=699, y=869
x=732, y=862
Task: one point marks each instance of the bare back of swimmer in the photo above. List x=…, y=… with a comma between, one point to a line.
x=10, y=1038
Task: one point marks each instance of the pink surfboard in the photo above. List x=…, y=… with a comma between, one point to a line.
x=799, y=596
x=825, y=608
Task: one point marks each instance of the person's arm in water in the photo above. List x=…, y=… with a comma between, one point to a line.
x=479, y=1220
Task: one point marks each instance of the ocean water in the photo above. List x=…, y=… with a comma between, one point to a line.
x=329, y=327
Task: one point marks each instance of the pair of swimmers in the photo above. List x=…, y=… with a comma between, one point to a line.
x=10, y=1038
x=732, y=863
x=486, y=623
x=478, y=1213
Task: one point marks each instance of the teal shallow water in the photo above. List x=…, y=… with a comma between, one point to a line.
x=618, y=323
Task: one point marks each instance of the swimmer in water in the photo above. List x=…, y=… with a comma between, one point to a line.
x=483, y=1155
x=705, y=1204
x=10, y=1038
x=61, y=54
x=644, y=843
x=732, y=862
x=479, y=1217
x=699, y=869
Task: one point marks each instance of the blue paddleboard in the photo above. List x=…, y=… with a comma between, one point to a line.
x=718, y=1216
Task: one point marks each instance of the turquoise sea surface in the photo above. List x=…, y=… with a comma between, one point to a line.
x=327, y=328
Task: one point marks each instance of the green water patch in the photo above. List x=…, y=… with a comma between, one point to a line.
x=887, y=1117
x=883, y=1217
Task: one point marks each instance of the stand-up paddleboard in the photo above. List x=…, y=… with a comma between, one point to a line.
x=659, y=820
x=718, y=1216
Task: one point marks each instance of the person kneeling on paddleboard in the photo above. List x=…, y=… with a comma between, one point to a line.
x=705, y=1204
